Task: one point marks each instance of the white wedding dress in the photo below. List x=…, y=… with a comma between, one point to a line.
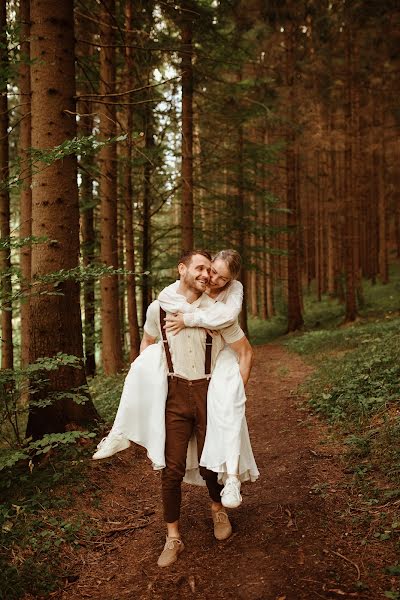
x=141, y=413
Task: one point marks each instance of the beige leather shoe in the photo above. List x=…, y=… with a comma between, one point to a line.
x=172, y=549
x=222, y=526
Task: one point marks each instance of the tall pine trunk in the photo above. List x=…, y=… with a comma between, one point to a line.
x=25, y=229
x=241, y=229
x=187, y=132
x=147, y=203
x=88, y=241
x=5, y=258
x=110, y=319
x=349, y=201
x=295, y=318
x=133, y=325
x=55, y=324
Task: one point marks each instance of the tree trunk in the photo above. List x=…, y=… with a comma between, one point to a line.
x=350, y=267
x=241, y=228
x=379, y=174
x=25, y=229
x=110, y=321
x=133, y=325
x=7, y=361
x=295, y=318
x=88, y=243
x=147, y=202
x=187, y=132
x=334, y=230
x=55, y=324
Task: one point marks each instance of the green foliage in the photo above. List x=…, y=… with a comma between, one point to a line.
x=363, y=381
x=262, y=332
x=324, y=341
x=32, y=531
x=356, y=386
x=106, y=394
x=393, y=595
x=16, y=243
x=42, y=158
x=31, y=577
x=14, y=386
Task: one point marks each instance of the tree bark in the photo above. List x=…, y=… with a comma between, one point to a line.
x=25, y=229
x=110, y=318
x=295, y=318
x=88, y=243
x=350, y=267
x=187, y=132
x=133, y=325
x=379, y=174
x=55, y=324
x=147, y=202
x=7, y=360
x=241, y=228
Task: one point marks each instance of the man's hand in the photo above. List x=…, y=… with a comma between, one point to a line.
x=245, y=355
x=147, y=340
x=174, y=323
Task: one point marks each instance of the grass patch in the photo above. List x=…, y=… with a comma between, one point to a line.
x=262, y=332
x=356, y=387
x=106, y=394
x=380, y=302
x=325, y=341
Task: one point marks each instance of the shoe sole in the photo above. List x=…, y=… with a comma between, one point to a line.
x=94, y=457
x=221, y=539
x=172, y=561
x=230, y=505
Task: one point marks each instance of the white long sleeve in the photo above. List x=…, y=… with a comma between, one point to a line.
x=223, y=313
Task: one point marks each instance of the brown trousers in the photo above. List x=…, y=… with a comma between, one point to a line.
x=185, y=412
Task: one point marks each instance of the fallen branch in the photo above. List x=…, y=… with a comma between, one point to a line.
x=349, y=561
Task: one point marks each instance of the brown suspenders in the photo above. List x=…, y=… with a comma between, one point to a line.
x=207, y=366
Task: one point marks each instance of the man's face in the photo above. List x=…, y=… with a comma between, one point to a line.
x=220, y=274
x=197, y=274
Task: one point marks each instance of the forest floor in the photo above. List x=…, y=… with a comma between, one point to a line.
x=300, y=533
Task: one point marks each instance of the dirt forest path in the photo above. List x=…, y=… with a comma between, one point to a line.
x=290, y=539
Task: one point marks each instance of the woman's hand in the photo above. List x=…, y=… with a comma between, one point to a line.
x=174, y=323
x=213, y=332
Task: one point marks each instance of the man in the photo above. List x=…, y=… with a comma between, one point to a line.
x=190, y=366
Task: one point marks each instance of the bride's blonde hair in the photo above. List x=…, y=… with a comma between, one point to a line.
x=232, y=259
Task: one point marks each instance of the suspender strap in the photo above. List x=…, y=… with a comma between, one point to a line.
x=207, y=367
x=165, y=341
x=207, y=363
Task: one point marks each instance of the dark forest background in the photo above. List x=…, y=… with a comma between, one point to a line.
x=131, y=130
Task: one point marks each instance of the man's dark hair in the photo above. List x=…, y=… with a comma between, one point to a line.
x=186, y=257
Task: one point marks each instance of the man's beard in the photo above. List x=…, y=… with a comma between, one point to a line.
x=194, y=284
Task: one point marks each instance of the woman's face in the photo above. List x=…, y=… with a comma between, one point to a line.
x=220, y=275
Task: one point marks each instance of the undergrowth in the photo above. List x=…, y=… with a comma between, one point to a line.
x=106, y=394
x=33, y=530
x=356, y=386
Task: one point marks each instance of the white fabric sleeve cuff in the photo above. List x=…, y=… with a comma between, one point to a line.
x=190, y=319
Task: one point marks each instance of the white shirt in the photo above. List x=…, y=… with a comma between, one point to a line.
x=188, y=346
x=223, y=311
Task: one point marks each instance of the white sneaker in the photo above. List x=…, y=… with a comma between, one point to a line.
x=230, y=495
x=113, y=443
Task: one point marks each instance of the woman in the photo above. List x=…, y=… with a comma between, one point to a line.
x=227, y=449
